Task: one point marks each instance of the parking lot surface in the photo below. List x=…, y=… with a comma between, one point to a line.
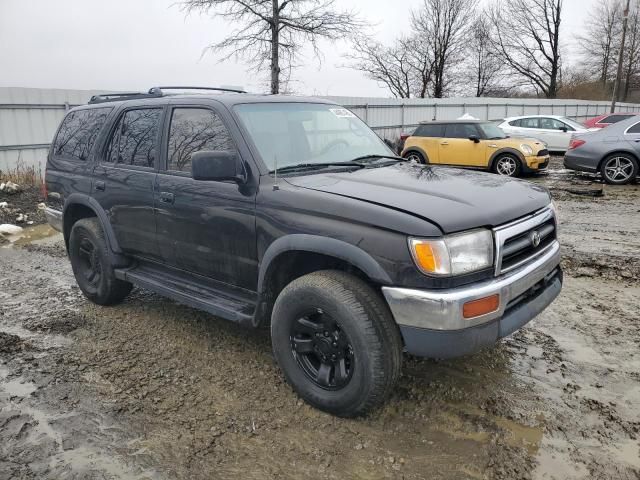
x=152, y=389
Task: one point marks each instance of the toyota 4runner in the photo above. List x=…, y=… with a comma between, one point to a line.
x=291, y=212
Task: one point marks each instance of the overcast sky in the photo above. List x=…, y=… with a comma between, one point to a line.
x=134, y=44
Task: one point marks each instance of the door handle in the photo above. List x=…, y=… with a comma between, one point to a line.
x=167, y=197
x=100, y=185
x=444, y=143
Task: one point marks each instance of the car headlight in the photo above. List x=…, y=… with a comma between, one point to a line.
x=526, y=149
x=453, y=254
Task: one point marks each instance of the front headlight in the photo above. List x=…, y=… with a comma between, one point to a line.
x=453, y=254
x=526, y=149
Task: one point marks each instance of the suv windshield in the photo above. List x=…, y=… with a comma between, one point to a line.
x=492, y=131
x=308, y=133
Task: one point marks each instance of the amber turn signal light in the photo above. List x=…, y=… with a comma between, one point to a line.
x=482, y=306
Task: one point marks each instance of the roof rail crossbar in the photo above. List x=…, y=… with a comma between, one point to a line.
x=156, y=90
x=116, y=96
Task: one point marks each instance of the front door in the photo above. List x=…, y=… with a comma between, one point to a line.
x=555, y=133
x=204, y=227
x=456, y=148
x=124, y=177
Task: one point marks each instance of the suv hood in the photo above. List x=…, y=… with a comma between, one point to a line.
x=453, y=199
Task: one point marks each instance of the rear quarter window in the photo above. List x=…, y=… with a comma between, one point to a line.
x=429, y=130
x=614, y=118
x=78, y=133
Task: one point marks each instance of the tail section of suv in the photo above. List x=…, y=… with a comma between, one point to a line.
x=292, y=212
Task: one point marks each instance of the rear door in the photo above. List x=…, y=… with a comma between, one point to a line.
x=204, y=227
x=124, y=179
x=427, y=137
x=456, y=148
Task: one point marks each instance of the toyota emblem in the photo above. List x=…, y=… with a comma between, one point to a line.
x=535, y=238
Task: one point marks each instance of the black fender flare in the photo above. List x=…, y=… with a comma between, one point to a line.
x=513, y=151
x=416, y=149
x=91, y=203
x=326, y=246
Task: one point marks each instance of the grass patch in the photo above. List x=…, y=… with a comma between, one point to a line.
x=22, y=174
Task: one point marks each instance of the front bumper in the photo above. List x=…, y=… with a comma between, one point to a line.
x=535, y=164
x=54, y=218
x=432, y=322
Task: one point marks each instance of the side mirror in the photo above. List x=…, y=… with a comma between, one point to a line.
x=564, y=129
x=219, y=166
x=474, y=138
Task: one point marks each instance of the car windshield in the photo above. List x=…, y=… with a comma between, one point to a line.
x=492, y=131
x=308, y=133
x=572, y=123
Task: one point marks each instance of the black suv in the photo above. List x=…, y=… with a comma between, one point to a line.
x=291, y=212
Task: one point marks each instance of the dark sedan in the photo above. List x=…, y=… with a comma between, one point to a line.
x=613, y=152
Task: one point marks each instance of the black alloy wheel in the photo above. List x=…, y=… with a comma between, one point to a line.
x=322, y=350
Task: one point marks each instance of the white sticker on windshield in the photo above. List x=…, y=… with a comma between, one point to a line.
x=342, y=112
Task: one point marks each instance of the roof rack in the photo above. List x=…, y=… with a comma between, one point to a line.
x=219, y=89
x=153, y=92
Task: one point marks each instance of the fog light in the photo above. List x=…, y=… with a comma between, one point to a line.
x=482, y=306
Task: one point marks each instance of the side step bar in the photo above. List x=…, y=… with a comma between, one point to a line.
x=219, y=299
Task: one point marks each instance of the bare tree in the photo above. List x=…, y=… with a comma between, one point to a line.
x=598, y=43
x=529, y=42
x=484, y=66
x=272, y=32
x=443, y=25
x=387, y=65
x=632, y=48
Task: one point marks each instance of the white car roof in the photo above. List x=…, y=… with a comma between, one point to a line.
x=558, y=117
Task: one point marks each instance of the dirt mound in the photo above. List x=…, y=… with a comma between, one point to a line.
x=58, y=322
x=21, y=204
x=610, y=267
x=10, y=343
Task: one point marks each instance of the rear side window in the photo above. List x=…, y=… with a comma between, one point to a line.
x=615, y=118
x=429, y=130
x=634, y=128
x=78, y=132
x=460, y=130
x=134, y=140
x=530, y=122
x=193, y=130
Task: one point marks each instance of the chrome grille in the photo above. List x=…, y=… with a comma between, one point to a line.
x=519, y=242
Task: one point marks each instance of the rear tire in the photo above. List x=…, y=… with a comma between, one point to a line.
x=336, y=342
x=92, y=265
x=619, y=169
x=415, y=157
x=507, y=165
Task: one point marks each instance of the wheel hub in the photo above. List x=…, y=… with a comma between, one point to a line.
x=322, y=350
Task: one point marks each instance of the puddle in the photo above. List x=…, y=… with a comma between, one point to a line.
x=33, y=234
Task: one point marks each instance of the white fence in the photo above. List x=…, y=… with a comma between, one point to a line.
x=390, y=117
x=29, y=116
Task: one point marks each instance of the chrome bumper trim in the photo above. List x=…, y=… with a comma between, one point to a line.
x=54, y=218
x=442, y=310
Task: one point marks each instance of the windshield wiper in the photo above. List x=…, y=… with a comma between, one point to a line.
x=317, y=166
x=376, y=157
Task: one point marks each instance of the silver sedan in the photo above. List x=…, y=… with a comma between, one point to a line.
x=612, y=151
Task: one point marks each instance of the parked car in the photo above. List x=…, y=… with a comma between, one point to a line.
x=613, y=152
x=290, y=211
x=555, y=131
x=476, y=144
x=602, y=121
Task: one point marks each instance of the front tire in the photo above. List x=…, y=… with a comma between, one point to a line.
x=507, y=165
x=619, y=169
x=415, y=157
x=92, y=265
x=336, y=342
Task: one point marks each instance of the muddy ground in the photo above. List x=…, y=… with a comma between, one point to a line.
x=151, y=389
x=22, y=208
